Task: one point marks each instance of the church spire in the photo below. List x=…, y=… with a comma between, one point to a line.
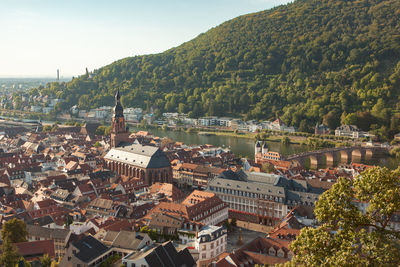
x=119, y=133
x=118, y=110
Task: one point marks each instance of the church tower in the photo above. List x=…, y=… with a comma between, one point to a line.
x=119, y=132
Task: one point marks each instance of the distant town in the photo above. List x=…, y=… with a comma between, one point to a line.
x=42, y=106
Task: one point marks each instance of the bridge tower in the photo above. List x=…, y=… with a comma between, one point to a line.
x=257, y=148
x=264, y=148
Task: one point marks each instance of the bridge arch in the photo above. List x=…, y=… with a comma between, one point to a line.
x=314, y=160
x=344, y=156
x=357, y=155
x=369, y=154
x=331, y=157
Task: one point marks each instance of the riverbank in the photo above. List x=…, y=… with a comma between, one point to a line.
x=274, y=138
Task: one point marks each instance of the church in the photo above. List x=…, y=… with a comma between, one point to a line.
x=148, y=163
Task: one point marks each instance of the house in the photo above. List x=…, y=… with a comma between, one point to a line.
x=165, y=223
x=46, y=203
x=277, y=125
x=60, y=195
x=321, y=129
x=185, y=174
x=261, y=251
x=33, y=250
x=59, y=236
x=135, y=185
x=199, y=206
x=162, y=255
x=85, y=252
x=101, y=207
x=211, y=242
x=45, y=221
x=128, y=240
x=83, y=190
x=351, y=131
x=188, y=233
x=169, y=191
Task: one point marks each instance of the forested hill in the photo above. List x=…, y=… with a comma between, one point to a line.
x=306, y=61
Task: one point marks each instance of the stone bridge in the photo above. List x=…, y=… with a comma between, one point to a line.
x=338, y=154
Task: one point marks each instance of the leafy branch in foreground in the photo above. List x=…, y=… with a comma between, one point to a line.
x=355, y=230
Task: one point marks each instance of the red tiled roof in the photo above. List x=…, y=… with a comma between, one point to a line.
x=35, y=249
x=46, y=203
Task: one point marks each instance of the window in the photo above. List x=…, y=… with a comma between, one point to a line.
x=204, y=256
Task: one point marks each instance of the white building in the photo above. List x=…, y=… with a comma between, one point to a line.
x=54, y=101
x=225, y=122
x=133, y=114
x=74, y=109
x=207, y=121
x=47, y=110
x=36, y=108
x=82, y=114
x=277, y=125
x=189, y=121
x=211, y=241
x=101, y=113
x=351, y=131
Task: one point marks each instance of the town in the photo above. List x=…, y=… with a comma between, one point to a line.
x=135, y=199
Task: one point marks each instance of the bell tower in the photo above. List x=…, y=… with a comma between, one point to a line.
x=119, y=132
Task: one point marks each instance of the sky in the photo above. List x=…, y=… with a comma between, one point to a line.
x=37, y=37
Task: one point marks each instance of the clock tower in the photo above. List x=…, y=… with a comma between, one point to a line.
x=119, y=132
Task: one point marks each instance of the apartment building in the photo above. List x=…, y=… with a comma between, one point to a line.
x=266, y=198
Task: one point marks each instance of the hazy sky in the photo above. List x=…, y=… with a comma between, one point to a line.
x=37, y=37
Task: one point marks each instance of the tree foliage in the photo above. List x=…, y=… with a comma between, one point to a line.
x=45, y=261
x=9, y=256
x=14, y=231
x=348, y=237
x=301, y=61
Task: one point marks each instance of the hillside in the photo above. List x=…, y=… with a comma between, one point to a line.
x=307, y=61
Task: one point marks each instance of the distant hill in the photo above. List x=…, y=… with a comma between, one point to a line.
x=307, y=61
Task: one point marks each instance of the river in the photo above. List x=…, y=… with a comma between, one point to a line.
x=244, y=147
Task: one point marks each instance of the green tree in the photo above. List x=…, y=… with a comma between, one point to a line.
x=268, y=167
x=47, y=128
x=285, y=140
x=332, y=119
x=9, y=256
x=45, y=261
x=350, y=119
x=97, y=144
x=14, y=231
x=346, y=236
